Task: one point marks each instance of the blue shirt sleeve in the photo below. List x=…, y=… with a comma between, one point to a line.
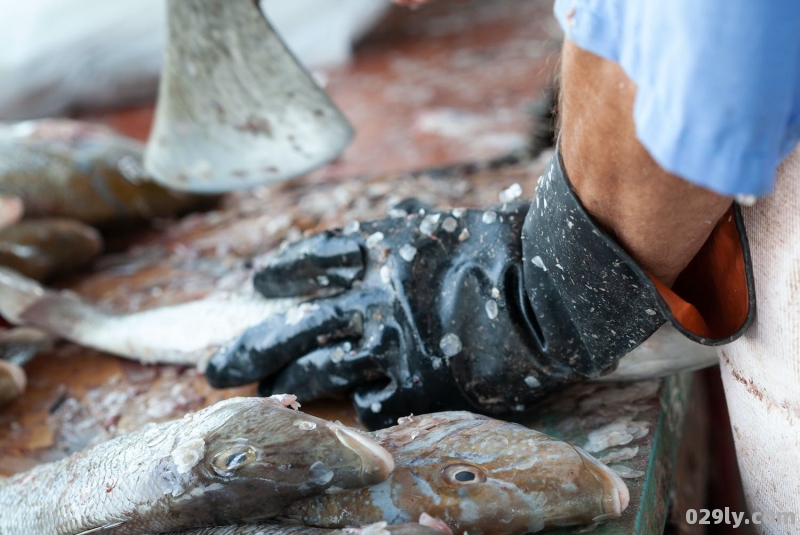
x=718, y=98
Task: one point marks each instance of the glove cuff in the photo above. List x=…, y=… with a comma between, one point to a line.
x=589, y=295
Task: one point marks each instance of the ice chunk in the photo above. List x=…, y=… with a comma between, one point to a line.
x=450, y=344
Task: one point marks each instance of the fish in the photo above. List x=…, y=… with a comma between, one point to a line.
x=82, y=171
x=666, y=352
x=285, y=528
x=43, y=248
x=238, y=461
x=190, y=333
x=479, y=476
x=182, y=334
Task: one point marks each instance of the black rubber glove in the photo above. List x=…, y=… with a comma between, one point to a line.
x=434, y=317
x=439, y=311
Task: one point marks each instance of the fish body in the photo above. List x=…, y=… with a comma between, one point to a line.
x=666, y=352
x=189, y=333
x=62, y=168
x=186, y=333
x=42, y=248
x=284, y=528
x=241, y=460
x=479, y=476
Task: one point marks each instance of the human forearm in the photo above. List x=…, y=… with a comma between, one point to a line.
x=659, y=218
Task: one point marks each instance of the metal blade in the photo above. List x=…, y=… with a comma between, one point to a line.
x=235, y=108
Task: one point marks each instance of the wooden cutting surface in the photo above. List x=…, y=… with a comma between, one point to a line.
x=451, y=82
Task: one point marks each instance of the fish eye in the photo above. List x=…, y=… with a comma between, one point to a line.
x=463, y=474
x=226, y=462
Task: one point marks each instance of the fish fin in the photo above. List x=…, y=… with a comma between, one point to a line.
x=101, y=529
x=434, y=523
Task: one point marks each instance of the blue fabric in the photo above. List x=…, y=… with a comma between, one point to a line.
x=718, y=99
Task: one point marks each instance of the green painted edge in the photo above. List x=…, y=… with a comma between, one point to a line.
x=666, y=444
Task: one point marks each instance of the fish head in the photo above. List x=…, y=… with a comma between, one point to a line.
x=481, y=475
x=258, y=456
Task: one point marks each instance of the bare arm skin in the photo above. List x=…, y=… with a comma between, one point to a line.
x=661, y=219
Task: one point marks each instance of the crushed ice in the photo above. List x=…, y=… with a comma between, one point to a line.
x=489, y=217
x=408, y=252
x=305, y=425
x=621, y=454
x=429, y=224
x=352, y=227
x=625, y=472
x=375, y=240
x=618, y=433
x=188, y=454
x=449, y=224
x=450, y=344
x=532, y=382
x=510, y=193
x=491, y=309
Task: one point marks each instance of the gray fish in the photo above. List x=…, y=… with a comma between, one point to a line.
x=284, y=528
x=241, y=460
x=42, y=248
x=62, y=168
x=478, y=475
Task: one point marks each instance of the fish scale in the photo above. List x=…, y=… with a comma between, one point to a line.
x=518, y=480
x=162, y=477
x=476, y=474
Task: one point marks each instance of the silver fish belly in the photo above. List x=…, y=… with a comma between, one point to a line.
x=478, y=475
x=186, y=333
x=241, y=460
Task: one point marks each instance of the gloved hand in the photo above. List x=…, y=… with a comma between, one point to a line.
x=483, y=310
x=434, y=317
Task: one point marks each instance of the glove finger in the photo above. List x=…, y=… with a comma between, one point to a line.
x=326, y=260
x=268, y=346
x=328, y=371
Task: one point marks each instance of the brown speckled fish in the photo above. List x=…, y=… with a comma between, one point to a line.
x=241, y=460
x=43, y=248
x=478, y=475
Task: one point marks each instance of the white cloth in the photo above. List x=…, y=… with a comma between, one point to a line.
x=59, y=55
x=761, y=370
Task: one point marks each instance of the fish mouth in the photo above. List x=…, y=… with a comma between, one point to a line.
x=376, y=463
x=615, y=492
